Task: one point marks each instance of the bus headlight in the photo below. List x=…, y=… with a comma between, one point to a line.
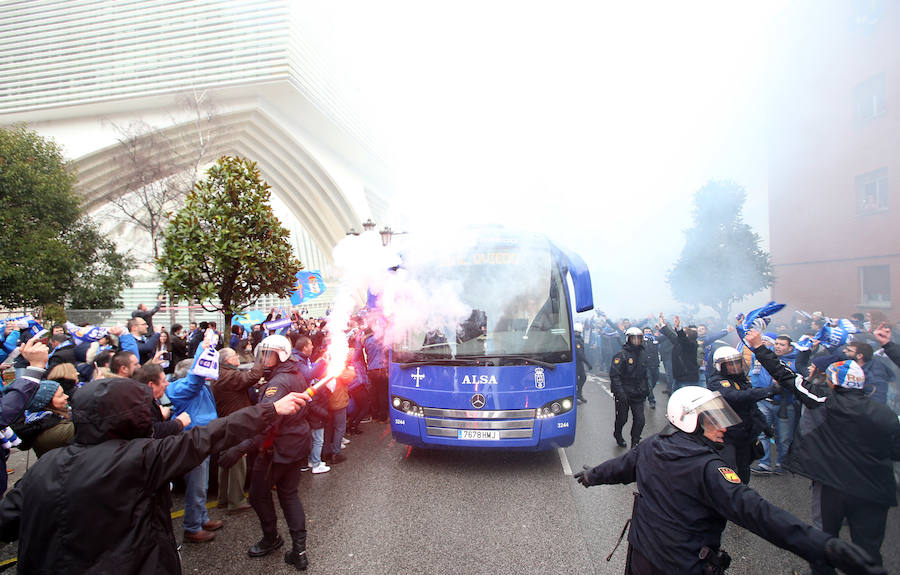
x=407, y=406
x=554, y=408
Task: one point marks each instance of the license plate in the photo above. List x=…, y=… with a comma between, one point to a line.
x=490, y=435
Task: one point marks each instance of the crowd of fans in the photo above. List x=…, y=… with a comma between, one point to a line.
x=52, y=367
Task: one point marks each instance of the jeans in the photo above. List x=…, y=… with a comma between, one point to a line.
x=195, y=513
x=338, y=427
x=359, y=406
x=670, y=379
x=315, y=453
x=652, y=378
x=784, y=432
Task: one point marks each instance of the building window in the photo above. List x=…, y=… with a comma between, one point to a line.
x=872, y=192
x=871, y=98
x=875, y=286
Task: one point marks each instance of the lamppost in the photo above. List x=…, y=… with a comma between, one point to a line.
x=368, y=225
x=386, y=234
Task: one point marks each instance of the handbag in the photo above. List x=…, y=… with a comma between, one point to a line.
x=207, y=364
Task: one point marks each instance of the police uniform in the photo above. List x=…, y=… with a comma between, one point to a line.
x=742, y=397
x=687, y=494
x=628, y=380
x=284, y=447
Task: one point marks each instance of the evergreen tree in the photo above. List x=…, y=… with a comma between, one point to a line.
x=722, y=261
x=226, y=244
x=52, y=253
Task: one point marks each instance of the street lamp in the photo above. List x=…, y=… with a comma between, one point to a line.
x=386, y=235
x=352, y=232
x=368, y=225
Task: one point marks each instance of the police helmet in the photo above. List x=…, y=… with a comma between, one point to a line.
x=689, y=402
x=272, y=347
x=728, y=358
x=636, y=333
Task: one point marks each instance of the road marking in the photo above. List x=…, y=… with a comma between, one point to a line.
x=565, y=461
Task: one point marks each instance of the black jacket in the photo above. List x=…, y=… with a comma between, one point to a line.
x=628, y=373
x=742, y=397
x=580, y=359
x=687, y=495
x=893, y=352
x=102, y=504
x=851, y=448
x=289, y=438
x=651, y=352
x=685, y=366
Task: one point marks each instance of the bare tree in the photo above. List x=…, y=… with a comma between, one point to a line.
x=159, y=167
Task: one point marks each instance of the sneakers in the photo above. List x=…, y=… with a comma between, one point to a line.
x=321, y=468
x=344, y=441
x=761, y=469
x=305, y=467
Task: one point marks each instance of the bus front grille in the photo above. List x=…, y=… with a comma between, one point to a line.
x=511, y=424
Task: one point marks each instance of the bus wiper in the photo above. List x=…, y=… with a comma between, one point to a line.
x=440, y=361
x=524, y=358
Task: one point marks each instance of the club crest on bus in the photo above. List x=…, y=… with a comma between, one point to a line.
x=539, y=377
x=479, y=379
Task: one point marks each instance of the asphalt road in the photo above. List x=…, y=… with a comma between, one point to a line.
x=394, y=510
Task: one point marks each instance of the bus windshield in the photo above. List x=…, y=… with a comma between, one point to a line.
x=514, y=298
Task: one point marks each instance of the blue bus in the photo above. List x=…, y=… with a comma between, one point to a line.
x=501, y=374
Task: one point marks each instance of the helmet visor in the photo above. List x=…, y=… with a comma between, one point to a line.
x=718, y=413
x=267, y=357
x=732, y=365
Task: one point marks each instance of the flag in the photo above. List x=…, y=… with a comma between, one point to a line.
x=309, y=285
x=757, y=319
x=249, y=318
x=836, y=332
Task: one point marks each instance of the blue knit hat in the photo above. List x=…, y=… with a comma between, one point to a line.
x=43, y=395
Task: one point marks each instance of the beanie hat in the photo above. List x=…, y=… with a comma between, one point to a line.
x=846, y=374
x=43, y=395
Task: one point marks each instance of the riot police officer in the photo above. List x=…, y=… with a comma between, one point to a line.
x=732, y=382
x=628, y=380
x=688, y=493
x=282, y=451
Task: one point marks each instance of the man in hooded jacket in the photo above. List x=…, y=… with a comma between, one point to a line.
x=102, y=504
